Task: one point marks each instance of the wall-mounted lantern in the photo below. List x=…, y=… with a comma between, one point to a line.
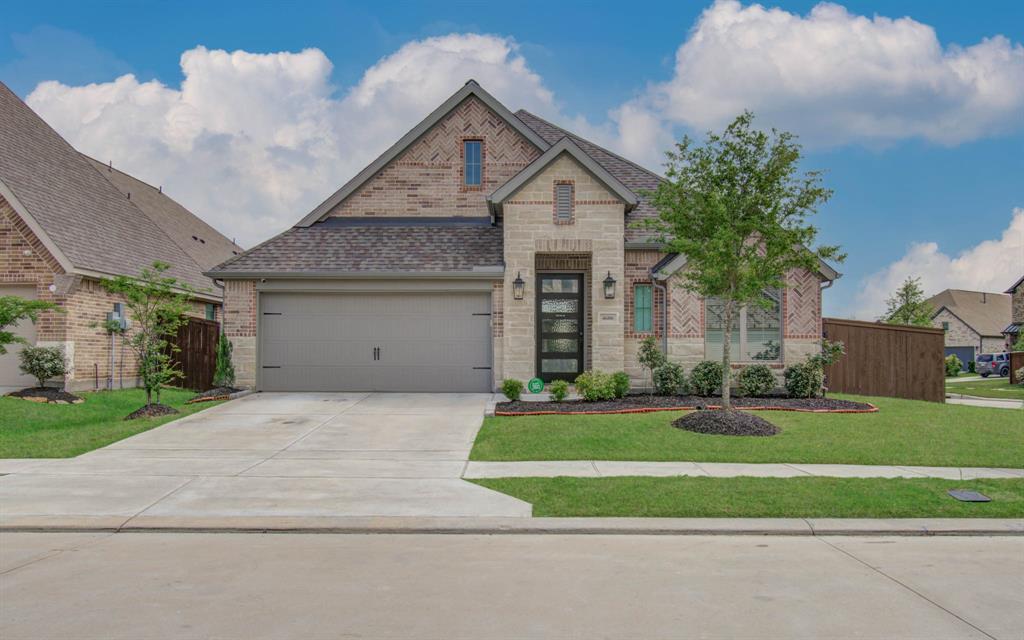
x=609, y=286
x=518, y=287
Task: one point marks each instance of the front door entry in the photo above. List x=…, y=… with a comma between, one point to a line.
x=559, y=326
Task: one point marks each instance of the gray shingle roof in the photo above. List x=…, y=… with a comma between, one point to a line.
x=374, y=245
x=635, y=177
x=84, y=215
x=986, y=313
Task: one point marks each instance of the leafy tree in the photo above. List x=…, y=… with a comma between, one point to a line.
x=908, y=305
x=12, y=311
x=1019, y=345
x=224, y=369
x=157, y=305
x=738, y=208
x=650, y=357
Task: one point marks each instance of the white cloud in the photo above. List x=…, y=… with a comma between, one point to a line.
x=254, y=141
x=992, y=265
x=834, y=77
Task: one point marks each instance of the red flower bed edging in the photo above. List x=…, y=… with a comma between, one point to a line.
x=873, y=409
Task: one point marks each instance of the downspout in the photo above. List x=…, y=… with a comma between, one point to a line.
x=664, y=311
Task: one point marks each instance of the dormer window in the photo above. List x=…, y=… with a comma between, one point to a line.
x=472, y=162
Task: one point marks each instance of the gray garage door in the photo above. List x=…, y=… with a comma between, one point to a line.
x=966, y=354
x=10, y=374
x=375, y=341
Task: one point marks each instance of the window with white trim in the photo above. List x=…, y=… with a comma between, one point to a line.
x=756, y=331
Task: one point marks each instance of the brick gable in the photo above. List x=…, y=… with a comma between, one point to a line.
x=426, y=178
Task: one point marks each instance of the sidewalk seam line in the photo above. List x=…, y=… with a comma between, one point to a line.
x=908, y=588
x=160, y=499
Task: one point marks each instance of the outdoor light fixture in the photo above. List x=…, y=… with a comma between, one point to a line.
x=518, y=287
x=609, y=286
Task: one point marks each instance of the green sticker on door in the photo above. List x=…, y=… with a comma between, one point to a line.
x=536, y=385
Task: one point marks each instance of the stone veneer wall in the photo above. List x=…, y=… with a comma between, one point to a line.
x=1017, y=304
x=240, y=328
x=426, y=179
x=598, y=229
x=958, y=334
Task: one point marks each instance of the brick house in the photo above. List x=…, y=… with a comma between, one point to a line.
x=484, y=245
x=973, y=322
x=1012, y=330
x=67, y=221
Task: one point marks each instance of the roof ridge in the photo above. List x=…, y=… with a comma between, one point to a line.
x=570, y=134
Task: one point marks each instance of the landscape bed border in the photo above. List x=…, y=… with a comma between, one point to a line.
x=872, y=409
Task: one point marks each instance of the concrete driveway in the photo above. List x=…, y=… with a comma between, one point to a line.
x=274, y=455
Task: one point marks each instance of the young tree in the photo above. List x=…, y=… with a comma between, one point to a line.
x=12, y=311
x=738, y=209
x=224, y=370
x=157, y=305
x=908, y=305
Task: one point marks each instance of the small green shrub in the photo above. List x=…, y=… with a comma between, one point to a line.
x=224, y=369
x=953, y=365
x=620, y=382
x=669, y=378
x=706, y=378
x=595, y=385
x=559, y=389
x=42, y=363
x=756, y=380
x=512, y=388
x=1019, y=374
x=804, y=380
x=971, y=367
x=650, y=356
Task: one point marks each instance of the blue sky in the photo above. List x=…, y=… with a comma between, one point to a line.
x=931, y=165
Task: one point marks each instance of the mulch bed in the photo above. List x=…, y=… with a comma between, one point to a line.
x=151, y=411
x=217, y=393
x=648, y=403
x=47, y=395
x=726, y=423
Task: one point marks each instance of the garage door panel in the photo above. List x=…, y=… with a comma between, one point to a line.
x=326, y=341
x=10, y=373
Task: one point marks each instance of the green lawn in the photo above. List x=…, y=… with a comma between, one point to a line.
x=903, y=432
x=688, y=497
x=32, y=430
x=991, y=388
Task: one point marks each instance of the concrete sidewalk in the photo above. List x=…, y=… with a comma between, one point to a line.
x=603, y=468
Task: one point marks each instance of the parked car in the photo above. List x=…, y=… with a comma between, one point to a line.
x=993, y=363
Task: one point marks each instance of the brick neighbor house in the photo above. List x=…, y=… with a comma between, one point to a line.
x=484, y=245
x=1012, y=330
x=67, y=221
x=973, y=322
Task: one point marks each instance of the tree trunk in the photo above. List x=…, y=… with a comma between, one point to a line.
x=727, y=356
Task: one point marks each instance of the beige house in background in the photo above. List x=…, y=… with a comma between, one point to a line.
x=974, y=321
x=483, y=245
x=66, y=222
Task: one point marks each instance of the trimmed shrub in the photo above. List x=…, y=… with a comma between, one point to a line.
x=512, y=388
x=971, y=367
x=224, y=370
x=706, y=378
x=669, y=379
x=559, y=389
x=953, y=365
x=595, y=385
x=1019, y=374
x=804, y=380
x=620, y=381
x=756, y=380
x=42, y=363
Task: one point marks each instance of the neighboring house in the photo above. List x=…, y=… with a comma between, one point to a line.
x=1013, y=330
x=973, y=321
x=67, y=221
x=484, y=245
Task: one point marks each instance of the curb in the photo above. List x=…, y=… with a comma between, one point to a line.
x=527, y=526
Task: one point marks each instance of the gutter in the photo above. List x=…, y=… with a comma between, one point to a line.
x=664, y=310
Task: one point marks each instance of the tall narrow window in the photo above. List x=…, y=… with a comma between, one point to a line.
x=642, y=308
x=472, y=166
x=211, y=311
x=563, y=202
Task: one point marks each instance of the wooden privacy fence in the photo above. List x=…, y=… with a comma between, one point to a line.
x=1016, y=362
x=197, y=341
x=896, y=361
